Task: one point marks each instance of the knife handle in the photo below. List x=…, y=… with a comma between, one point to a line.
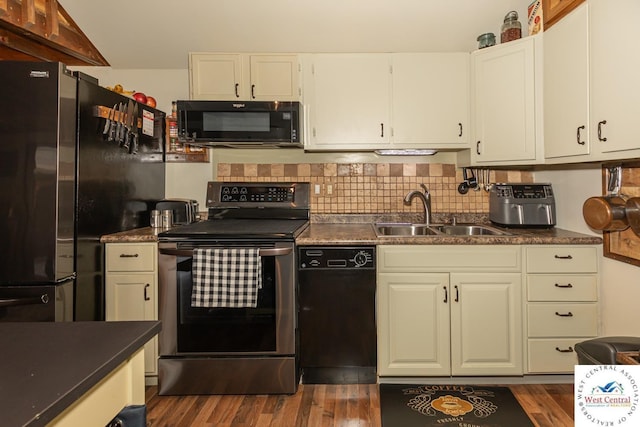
x=112, y=131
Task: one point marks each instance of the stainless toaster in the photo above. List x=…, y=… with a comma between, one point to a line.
x=522, y=205
x=185, y=211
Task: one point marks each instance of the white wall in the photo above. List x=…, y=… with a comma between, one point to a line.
x=183, y=180
x=620, y=285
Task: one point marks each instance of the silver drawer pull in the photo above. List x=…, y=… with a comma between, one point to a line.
x=567, y=350
x=563, y=257
x=128, y=255
x=263, y=252
x=568, y=285
x=569, y=314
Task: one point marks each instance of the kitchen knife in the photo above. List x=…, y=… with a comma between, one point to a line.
x=127, y=124
x=134, y=129
x=122, y=135
x=119, y=121
x=113, y=126
x=107, y=123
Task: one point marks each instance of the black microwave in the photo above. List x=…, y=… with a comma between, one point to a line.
x=240, y=123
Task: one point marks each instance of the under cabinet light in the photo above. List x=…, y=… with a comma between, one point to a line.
x=406, y=152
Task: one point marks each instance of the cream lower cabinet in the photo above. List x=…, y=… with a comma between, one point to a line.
x=449, y=310
x=562, y=304
x=131, y=286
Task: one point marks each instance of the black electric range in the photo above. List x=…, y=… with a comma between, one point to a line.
x=249, y=211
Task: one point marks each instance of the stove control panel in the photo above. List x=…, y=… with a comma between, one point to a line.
x=336, y=257
x=267, y=194
x=258, y=195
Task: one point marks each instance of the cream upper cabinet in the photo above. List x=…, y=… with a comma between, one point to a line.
x=507, y=103
x=566, y=87
x=347, y=100
x=430, y=100
x=244, y=77
x=449, y=310
x=615, y=83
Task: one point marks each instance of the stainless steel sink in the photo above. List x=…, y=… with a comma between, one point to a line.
x=403, y=229
x=383, y=229
x=469, y=230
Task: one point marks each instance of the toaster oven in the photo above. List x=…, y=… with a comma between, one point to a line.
x=522, y=205
x=184, y=211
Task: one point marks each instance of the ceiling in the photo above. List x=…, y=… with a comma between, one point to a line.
x=158, y=34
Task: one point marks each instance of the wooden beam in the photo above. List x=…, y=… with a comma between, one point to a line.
x=3, y=7
x=52, y=21
x=28, y=13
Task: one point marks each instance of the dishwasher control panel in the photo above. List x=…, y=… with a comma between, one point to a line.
x=336, y=257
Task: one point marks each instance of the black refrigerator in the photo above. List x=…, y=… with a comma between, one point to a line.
x=65, y=181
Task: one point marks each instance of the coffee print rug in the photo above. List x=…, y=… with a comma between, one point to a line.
x=407, y=405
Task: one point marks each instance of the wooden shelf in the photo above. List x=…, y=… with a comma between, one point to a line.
x=177, y=152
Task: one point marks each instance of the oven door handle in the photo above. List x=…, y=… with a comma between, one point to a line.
x=263, y=252
x=14, y=302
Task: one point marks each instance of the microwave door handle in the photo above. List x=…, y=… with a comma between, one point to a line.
x=189, y=253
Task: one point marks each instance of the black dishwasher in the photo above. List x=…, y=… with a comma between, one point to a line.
x=336, y=318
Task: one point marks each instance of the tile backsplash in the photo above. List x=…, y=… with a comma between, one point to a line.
x=368, y=188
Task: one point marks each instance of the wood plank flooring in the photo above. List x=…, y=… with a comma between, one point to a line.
x=328, y=406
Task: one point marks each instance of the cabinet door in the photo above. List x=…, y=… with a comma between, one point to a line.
x=413, y=324
x=274, y=77
x=347, y=97
x=430, y=100
x=215, y=76
x=504, y=105
x=566, y=86
x=615, y=87
x=132, y=297
x=486, y=324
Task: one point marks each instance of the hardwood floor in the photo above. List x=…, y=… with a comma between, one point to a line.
x=328, y=406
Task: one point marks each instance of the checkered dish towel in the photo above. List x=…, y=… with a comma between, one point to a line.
x=226, y=277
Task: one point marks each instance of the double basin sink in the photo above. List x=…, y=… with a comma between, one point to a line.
x=386, y=229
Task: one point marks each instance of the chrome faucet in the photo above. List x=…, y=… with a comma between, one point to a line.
x=425, y=197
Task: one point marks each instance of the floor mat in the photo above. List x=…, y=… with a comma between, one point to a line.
x=408, y=405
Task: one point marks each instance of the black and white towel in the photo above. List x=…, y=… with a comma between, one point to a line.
x=226, y=277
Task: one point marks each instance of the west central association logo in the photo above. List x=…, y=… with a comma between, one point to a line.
x=607, y=395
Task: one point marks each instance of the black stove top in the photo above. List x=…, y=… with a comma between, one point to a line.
x=237, y=229
x=244, y=210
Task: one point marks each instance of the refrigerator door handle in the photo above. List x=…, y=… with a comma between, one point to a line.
x=13, y=302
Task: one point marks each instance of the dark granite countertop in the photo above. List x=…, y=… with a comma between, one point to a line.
x=45, y=367
x=364, y=234
x=146, y=234
x=358, y=230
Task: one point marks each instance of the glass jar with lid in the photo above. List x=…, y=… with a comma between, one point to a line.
x=511, y=28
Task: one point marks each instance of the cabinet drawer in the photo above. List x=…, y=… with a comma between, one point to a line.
x=416, y=258
x=562, y=259
x=562, y=287
x=130, y=257
x=562, y=320
x=552, y=355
